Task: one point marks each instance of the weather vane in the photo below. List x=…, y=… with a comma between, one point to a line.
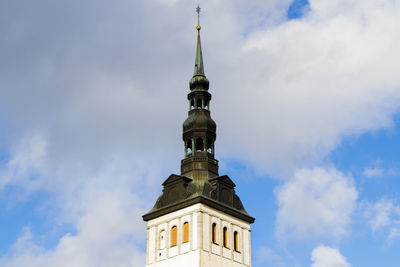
x=198, y=10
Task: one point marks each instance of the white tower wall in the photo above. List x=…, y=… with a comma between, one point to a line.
x=199, y=251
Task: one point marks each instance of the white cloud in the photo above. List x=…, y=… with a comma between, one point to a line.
x=373, y=172
x=104, y=208
x=315, y=203
x=323, y=256
x=376, y=172
x=381, y=214
x=384, y=215
x=394, y=234
x=26, y=162
x=109, y=230
x=78, y=251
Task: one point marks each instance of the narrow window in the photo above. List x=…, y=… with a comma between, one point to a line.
x=185, y=232
x=199, y=101
x=189, y=147
x=162, y=239
x=174, y=236
x=236, y=241
x=209, y=146
x=192, y=104
x=225, y=237
x=199, y=144
x=214, y=233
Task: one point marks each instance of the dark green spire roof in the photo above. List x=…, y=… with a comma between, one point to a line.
x=199, y=80
x=198, y=66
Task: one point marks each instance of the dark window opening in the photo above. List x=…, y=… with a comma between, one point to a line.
x=189, y=147
x=209, y=146
x=199, y=103
x=206, y=104
x=199, y=144
x=192, y=104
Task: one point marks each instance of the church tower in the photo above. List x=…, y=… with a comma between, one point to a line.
x=198, y=220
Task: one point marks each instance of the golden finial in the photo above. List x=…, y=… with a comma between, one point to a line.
x=198, y=9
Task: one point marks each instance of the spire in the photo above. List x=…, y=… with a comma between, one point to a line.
x=198, y=66
x=199, y=79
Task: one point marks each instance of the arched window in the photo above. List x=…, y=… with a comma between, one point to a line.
x=185, y=232
x=162, y=239
x=192, y=104
x=174, y=236
x=214, y=233
x=199, y=144
x=236, y=241
x=225, y=237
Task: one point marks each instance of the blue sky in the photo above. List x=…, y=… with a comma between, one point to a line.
x=305, y=95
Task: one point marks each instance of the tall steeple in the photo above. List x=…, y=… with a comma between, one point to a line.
x=199, y=168
x=198, y=76
x=198, y=220
x=199, y=130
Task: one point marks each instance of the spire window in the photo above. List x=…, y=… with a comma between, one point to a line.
x=199, y=144
x=189, y=147
x=199, y=103
x=192, y=104
x=209, y=146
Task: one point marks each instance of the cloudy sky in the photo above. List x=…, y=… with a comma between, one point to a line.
x=306, y=96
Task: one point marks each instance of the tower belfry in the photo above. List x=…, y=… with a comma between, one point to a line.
x=198, y=220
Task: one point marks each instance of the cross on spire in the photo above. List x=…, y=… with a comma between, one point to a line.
x=198, y=10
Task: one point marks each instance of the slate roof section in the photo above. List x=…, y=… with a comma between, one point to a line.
x=181, y=191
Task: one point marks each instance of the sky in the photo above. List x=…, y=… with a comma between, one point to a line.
x=306, y=96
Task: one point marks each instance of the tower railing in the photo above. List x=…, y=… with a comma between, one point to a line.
x=200, y=158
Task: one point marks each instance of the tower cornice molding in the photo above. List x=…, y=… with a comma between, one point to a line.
x=195, y=200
